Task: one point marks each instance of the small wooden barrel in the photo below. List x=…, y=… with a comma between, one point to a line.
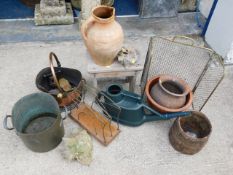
x=189, y=135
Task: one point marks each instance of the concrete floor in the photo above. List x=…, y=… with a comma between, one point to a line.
x=141, y=150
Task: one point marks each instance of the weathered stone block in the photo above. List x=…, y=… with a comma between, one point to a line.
x=158, y=8
x=50, y=2
x=87, y=6
x=41, y=19
x=107, y=2
x=53, y=10
x=187, y=5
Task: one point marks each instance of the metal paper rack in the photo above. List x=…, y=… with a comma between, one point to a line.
x=91, y=114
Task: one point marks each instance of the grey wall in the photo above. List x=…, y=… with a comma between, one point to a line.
x=219, y=34
x=205, y=6
x=158, y=8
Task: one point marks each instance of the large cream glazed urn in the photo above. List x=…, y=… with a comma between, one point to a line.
x=103, y=36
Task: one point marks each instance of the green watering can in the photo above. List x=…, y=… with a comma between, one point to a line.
x=37, y=121
x=134, y=111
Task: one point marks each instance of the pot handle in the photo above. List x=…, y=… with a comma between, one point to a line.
x=85, y=26
x=5, y=122
x=51, y=56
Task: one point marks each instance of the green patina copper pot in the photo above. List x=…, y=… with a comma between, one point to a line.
x=37, y=121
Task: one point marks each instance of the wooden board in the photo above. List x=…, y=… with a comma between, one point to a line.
x=94, y=122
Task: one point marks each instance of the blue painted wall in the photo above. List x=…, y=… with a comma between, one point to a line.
x=14, y=9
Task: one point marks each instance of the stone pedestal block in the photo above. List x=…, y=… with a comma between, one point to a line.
x=53, y=10
x=50, y=12
x=52, y=16
x=50, y=2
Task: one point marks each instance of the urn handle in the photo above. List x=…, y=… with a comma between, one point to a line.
x=86, y=25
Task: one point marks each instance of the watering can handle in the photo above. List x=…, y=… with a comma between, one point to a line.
x=51, y=56
x=131, y=96
x=5, y=123
x=153, y=116
x=151, y=110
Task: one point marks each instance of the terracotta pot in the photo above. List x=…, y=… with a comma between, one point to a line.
x=103, y=36
x=189, y=135
x=170, y=92
x=159, y=107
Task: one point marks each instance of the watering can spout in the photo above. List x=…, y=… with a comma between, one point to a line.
x=175, y=115
x=157, y=116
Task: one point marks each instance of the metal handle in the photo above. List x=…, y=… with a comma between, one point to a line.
x=5, y=123
x=51, y=56
x=183, y=37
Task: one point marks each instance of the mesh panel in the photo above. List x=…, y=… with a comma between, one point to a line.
x=193, y=64
x=209, y=82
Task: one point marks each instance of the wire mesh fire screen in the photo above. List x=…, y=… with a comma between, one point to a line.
x=200, y=67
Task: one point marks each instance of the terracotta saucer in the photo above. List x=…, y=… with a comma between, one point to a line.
x=160, y=108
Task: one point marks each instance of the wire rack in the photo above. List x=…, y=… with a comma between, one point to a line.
x=200, y=67
x=91, y=114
